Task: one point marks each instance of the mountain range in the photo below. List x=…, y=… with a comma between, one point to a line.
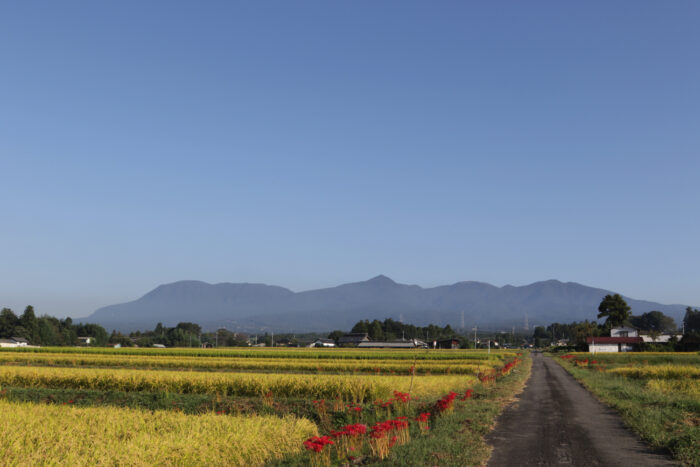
x=259, y=307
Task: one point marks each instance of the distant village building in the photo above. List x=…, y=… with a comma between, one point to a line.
x=21, y=341
x=85, y=340
x=448, y=344
x=409, y=344
x=353, y=338
x=322, y=342
x=14, y=342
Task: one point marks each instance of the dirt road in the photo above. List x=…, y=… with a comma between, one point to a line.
x=558, y=422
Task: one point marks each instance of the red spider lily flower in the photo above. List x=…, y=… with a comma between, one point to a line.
x=316, y=443
x=423, y=417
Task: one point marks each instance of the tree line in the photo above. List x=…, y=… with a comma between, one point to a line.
x=390, y=330
x=47, y=330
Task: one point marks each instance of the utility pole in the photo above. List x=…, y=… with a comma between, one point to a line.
x=272, y=342
x=475, y=337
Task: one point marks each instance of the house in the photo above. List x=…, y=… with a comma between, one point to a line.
x=353, y=338
x=86, y=340
x=613, y=344
x=321, y=342
x=411, y=344
x=647, y=338
x=447, y=344
x=8, y=343
x=114, y=346
x=21, y=341
x=159, y=346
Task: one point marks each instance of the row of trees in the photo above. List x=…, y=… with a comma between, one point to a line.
x=47, y=330
x=389, y=330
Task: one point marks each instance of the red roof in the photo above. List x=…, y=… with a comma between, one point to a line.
x=614, y=340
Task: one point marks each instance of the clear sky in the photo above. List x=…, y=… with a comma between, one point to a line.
x=306, y=144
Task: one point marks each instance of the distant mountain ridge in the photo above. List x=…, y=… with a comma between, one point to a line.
x=257, y=307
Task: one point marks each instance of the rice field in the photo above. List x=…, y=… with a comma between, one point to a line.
x=32, y=434
x=228, y=406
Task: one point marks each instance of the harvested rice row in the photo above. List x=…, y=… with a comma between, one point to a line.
x=355, y=388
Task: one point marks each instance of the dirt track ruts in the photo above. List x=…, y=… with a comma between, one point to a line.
x=556, y=421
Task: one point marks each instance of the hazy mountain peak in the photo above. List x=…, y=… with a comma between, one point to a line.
x=381, y=280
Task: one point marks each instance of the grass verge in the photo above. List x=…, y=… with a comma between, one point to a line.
x=668, y=421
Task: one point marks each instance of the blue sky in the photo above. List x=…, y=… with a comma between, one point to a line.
x=306, y=144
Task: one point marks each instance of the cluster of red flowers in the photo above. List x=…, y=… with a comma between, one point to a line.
x=422, y=420
x=467, y=395
x=354, y=408
x=384, y=435
x=509, y=366
x=316, y=443
x=567, y=356
x=380, y=429
x=445, y=404
x=350, y=430
x=402, y=397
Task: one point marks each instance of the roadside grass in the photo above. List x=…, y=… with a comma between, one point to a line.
x=666, y=420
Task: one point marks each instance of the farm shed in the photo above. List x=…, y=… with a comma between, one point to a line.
x=448, y=344
x=353, y=338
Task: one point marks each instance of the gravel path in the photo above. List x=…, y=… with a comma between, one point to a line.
x=556, y=421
